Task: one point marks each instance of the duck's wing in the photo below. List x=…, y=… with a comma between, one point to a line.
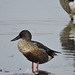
x=46, y=49
x=65, y=5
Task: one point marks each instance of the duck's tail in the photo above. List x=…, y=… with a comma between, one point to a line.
x=52, y=53
x=57, y=52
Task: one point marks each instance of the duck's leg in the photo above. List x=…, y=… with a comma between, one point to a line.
x=71, y=16
x=37, y=66
x=32, y=67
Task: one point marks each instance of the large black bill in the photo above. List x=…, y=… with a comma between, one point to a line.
x=16, y=38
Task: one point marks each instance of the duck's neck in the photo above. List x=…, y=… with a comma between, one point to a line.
x=26, y=39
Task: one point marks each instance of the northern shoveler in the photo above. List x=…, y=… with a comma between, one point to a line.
x=33, y=50
x=69, y=7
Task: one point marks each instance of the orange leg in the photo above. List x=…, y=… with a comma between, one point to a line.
x=37, y=66
x=32, y=67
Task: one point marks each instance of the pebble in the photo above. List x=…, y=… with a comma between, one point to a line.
x=20, y=69
x=0, y=70
x=7, y=71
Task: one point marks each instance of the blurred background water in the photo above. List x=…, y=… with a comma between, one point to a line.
x=48, y=23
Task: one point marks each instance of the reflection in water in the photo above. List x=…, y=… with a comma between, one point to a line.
x=35, y=73
x=67, y=39
x=44, y=73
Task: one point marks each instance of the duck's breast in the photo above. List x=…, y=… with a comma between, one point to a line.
x=25, y=46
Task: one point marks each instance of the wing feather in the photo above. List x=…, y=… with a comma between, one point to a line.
x=46, y=49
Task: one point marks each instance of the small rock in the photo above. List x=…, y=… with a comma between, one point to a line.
x=0, y=70
x=12, y=56
x=7, y=71
x=20, y=69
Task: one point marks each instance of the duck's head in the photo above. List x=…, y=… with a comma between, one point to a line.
x=25, y=34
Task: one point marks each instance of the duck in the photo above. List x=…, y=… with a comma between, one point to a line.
x=69, y=7
x=34, y=51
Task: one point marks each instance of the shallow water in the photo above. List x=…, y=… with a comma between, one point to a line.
x=55, y=35
x=50, y=28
